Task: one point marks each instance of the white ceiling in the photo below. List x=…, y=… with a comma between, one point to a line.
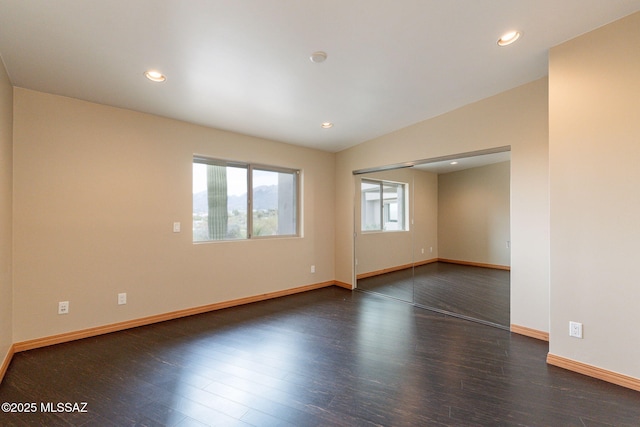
x=243, y=65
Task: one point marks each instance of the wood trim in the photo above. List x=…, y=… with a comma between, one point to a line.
x=430, y=261
x=114, y=327
x=532, y=333
x=343, y=285
x=6, y=361
x=475, y=264
x=383, y=271
x=425, y=262
x=594, y=372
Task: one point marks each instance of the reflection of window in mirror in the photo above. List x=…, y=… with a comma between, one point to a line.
x=383, y=205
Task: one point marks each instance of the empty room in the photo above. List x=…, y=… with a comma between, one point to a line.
x=192, y=192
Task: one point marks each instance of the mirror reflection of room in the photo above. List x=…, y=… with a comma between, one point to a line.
x=384, y=243
x=437, y=235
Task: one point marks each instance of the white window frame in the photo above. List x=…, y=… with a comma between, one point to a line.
x=250, y=168
x=385, y=207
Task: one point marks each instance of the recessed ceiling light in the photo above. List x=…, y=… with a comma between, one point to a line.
x=326, y=125
x=155, y=76
x=453, y=163
x=509, y=38
x=318, y=57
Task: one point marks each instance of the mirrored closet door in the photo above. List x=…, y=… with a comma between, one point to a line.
x=436, y=234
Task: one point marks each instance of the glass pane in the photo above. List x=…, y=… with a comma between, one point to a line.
x=274, y=203
x=370, y=206
x=219, y=202
x=393, y=196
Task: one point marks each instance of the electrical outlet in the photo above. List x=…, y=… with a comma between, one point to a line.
x=122, y=298
x=176, y=227
x=63, y=307
x=313, y=268
x=575, y=329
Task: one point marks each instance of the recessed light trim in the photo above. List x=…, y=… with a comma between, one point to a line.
x=155, y=76
x=326, y=125
x=453, y=163
x=509, y=38
x=318, y=57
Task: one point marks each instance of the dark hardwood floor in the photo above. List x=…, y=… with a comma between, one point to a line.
x=329, y=357
x=477, y=293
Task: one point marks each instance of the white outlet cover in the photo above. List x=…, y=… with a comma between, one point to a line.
x=122, y=298
x=63, y=307
x=575, y=329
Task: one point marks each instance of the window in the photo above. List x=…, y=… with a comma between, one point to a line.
x=233, y=201
x=383, y=206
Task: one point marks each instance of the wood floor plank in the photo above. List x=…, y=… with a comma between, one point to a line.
x=329, y=357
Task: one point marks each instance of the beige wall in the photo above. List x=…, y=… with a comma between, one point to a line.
x=97, y=190
x=376, y=251
x=473, y=212
x=6, y=196
x=425, y=227
x=516, y=118
x=595, y=201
